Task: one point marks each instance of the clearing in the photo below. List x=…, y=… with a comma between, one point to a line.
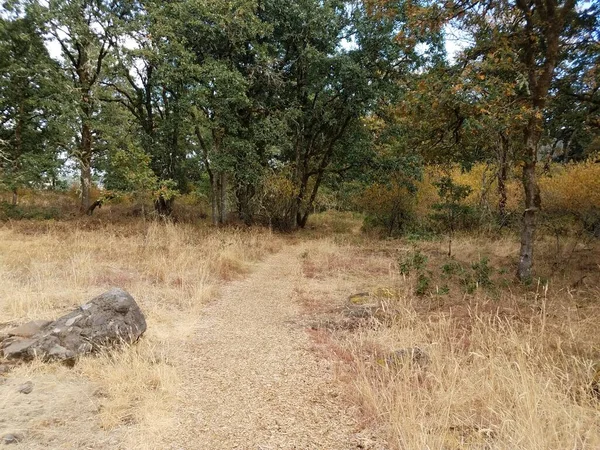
x=254, y=343
x=238, y=372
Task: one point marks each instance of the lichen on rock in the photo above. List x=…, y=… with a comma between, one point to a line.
x=112, y=318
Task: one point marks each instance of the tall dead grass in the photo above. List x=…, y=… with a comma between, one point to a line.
x=493, y=383
x=171, y=270
x=511, y=367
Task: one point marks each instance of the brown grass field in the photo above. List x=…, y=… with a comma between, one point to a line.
x=511, y=366
x=172, y=271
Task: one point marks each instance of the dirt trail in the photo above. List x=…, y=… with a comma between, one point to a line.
x=251, y=380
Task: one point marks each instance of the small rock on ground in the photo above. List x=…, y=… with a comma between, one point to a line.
x=413, y=355
x=12, y=438
x=26, y=388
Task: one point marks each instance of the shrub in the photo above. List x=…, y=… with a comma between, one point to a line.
x=415, y=260
x=450, y=211
x=566, y=189
x=17, y=212
x=482, y=272
x=387, y=207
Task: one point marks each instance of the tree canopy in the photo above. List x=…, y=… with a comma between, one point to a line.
x=262, y=105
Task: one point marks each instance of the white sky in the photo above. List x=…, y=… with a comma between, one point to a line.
x=454, y=44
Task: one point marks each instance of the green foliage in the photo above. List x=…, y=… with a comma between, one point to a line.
x=166, y=190
x=478, y=274
x=29, y=107
x=276, y=110
x=451, y=209
x=18, y=212
x=423, y=282
x=482, y=272
x=387, y=207
x=417, y=262
x=443, y=290
x=452, y=268
x=414, y=261
x=130, y=171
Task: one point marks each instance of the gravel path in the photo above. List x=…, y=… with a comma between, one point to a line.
x=251, y=380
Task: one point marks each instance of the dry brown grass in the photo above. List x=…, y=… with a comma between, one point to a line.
x=512, y=366
x=171, y=270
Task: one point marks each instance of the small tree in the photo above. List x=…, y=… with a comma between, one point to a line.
x=450, y=210
x=130, y=172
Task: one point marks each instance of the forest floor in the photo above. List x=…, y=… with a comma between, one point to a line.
x=258, y=341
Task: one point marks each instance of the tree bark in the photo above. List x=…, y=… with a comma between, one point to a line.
x=532, y=205
x=85, y=146
x=302, y=214
x=502, y=176
x=18, y=150
x=212, y=177
x=85, y=161
x=219, y=198
x=214, y=200
x=222, y=197
x=163, y=207
x=93, y=206
x=543, y=44
x=244, y=194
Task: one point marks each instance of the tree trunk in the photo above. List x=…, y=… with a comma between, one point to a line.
x=18, y=150
x=543, y=45
x=85, y=161
x=214, y=200
x=451, y=219
x=212, y=177
x=301, y=215
x=222, y=197
x=93, y=206
x=244, y=194
x=290, y=221
x=532, y=204
x=163, y=207
x=219, y=198
x=502, y=176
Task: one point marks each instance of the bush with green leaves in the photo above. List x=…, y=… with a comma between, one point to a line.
x=417, y=262
x=451, y=209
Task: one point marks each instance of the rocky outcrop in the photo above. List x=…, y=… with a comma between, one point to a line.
x=113, y=318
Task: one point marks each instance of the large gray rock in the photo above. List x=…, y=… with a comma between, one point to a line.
x=29, y=329
x=113, y=318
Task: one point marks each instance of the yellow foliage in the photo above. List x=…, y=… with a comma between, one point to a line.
x=427, y=194
x=573, y=187
x=483, y=181
x=380, y=200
